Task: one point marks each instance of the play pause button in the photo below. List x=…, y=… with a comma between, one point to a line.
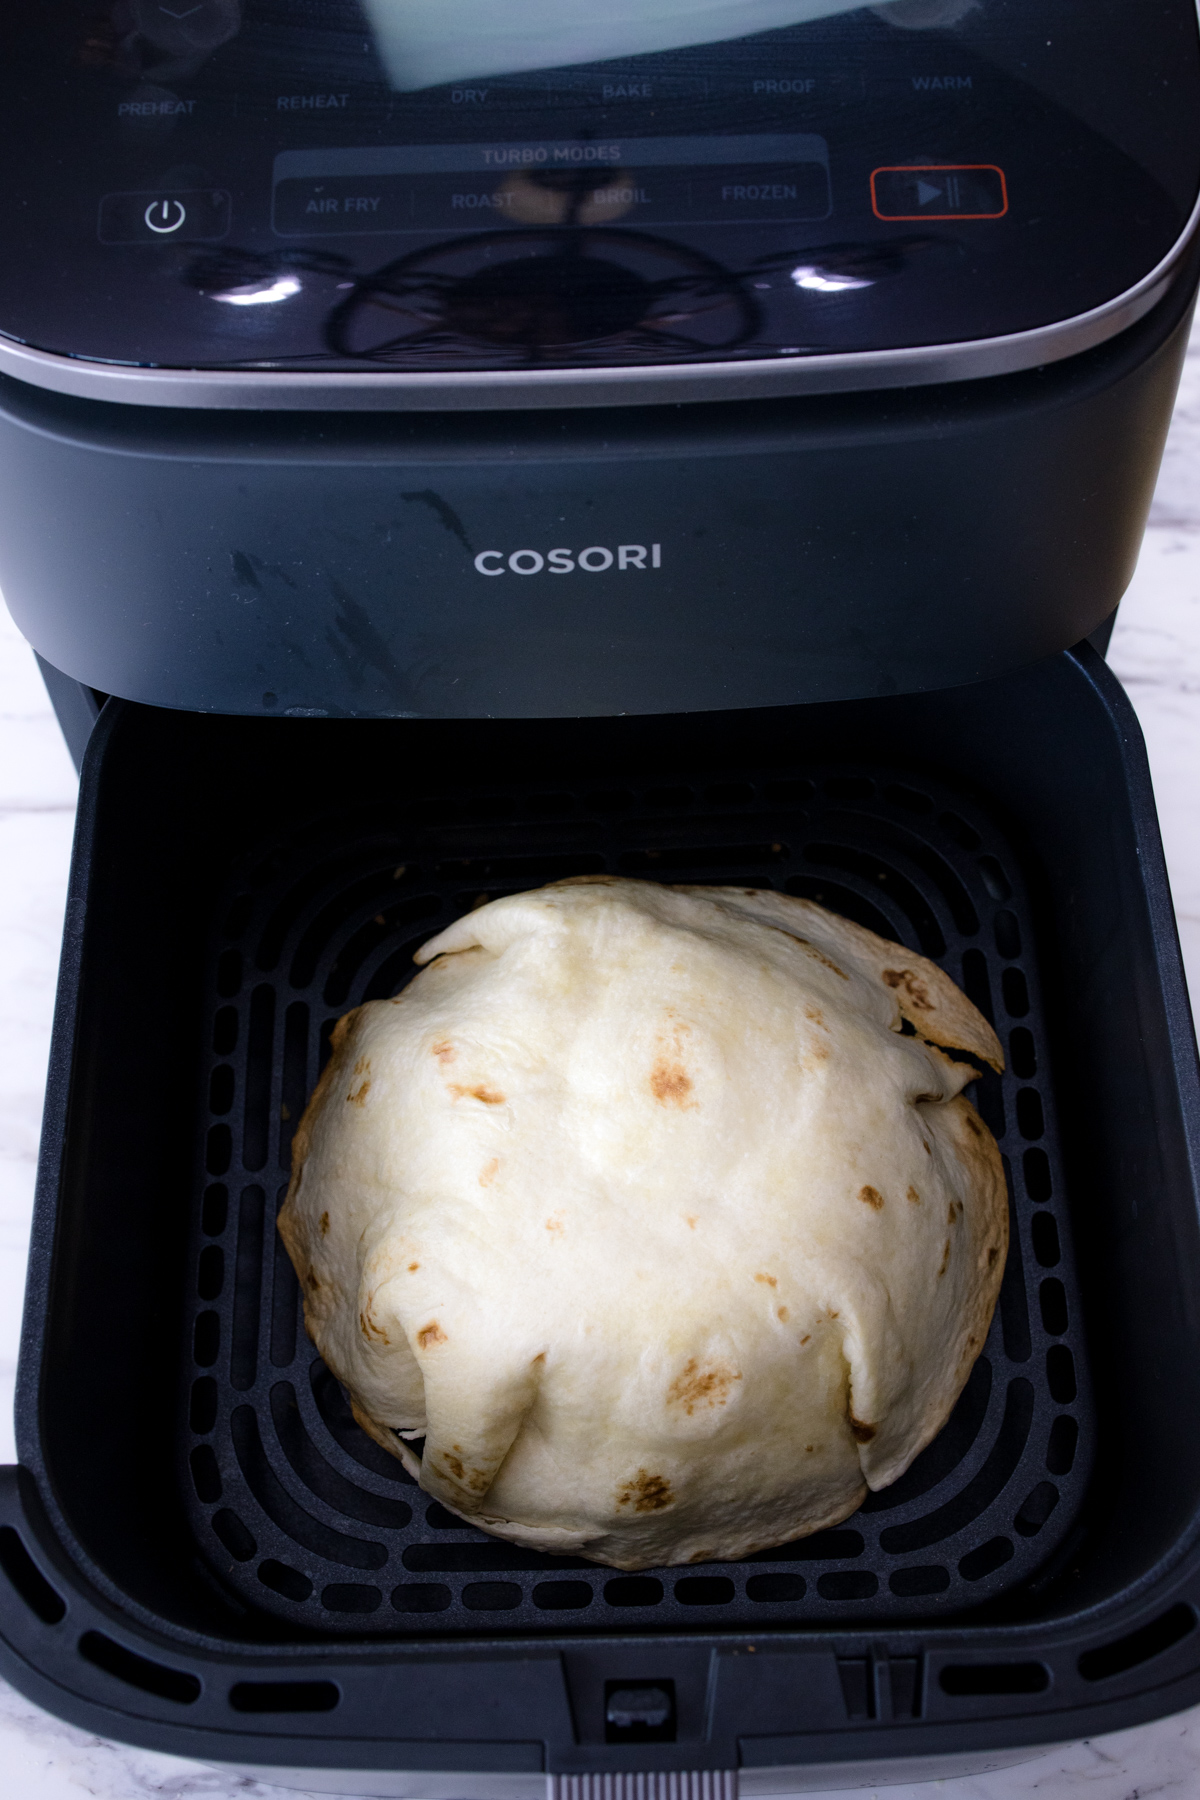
x=940, y=191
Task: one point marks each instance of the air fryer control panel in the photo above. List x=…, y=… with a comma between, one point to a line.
x=270, y=183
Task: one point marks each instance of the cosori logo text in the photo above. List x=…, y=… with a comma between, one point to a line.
x=593, y=561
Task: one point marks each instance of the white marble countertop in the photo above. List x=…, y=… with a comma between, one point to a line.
x=1155, y=651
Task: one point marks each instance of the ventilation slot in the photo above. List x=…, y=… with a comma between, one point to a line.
x=237, y=1539
x=1127, y=1653
x=282, y=1579
x=1044, y=1232
x=1014, y=1300
x=351, y=1597
x=633, y=1590
x=848, y=1584
x=206, y=1477
x=294, y=1084
x=214, y=1210
x=1060, y=1451
x=491, y=1596
x=243, y=1357
x=225, y=1031
x=202, y=1413
x=1037, y=1176
x=704, y=1590
x=256, y=1129
x=562, y=1596
x=987, y=1559
x=28, y=1580
x=1036, y=1509
x=285, y=1305
x=933, y=1579
x=477, y=1559
x=822, y=1546
x=283, y=1696
x=422, y=1597
x=966, y=1681
x=775, y=1590
x=138, y=1671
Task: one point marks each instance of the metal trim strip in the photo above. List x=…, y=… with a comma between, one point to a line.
x=659, y=1784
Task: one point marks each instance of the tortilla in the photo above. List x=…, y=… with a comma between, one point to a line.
x=659, y=1214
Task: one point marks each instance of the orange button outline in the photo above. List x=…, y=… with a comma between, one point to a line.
x=935, y=169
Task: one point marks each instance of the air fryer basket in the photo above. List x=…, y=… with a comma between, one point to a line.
x=202, y=1553
x=296, y=1509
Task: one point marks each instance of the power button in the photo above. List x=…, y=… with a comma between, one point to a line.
x=191, y=217
x=164, y=217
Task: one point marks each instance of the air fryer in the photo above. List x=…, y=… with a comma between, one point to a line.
x=446, y=448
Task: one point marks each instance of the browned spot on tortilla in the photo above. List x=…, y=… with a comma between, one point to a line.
x=945, y=1260
x=700, y=1556
x=489, y=1096
x=914, y=987
x=696, y=1386
x=313, y=1283
x=862, y=1433
x=691, y=1219
x=430, y=1334
x=324, y=1224
x=928, y=1151
x=952, y=1212
x=645, y=1493
x=782, y=1314
x=809, y=1448
x=488, y=1172
x=369, y=1328
x=806, y=1338
x=455, y=1467
x=357, y=1096
x=834, y=1315
x=768, y=1279
x=413, y=1267
x=805, y=945
x=815, y=1014
x=671, y=1084
x=914, y=1196
x=554, y=1224
x=972, y=1123
x=993, y=1253
x=871, y=1197
x=540, y=1357
x=444, y=1050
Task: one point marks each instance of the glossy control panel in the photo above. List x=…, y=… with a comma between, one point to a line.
x=250, y=184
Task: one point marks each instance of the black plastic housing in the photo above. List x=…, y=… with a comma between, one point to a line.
x=808, y=550
x=112, y=1618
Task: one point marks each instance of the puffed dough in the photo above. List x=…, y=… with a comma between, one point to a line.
x=657, y=1213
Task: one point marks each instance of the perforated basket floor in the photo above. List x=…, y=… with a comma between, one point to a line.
x=301, y=1515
